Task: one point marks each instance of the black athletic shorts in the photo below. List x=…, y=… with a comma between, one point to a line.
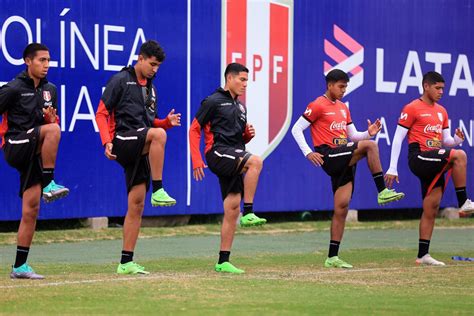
x=20, y=153
x=225, y=163
x=128, y=146
x=427, y=165
x=336, y=164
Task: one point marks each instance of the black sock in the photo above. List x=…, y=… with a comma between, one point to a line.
x=379, y=181
x=48, y=176
x=461, y=194
x=157, y=184
x=127, y=256
x=423, y=247
x=333, y=248
x=21, y=256
x=248, y=208
x=223, y=256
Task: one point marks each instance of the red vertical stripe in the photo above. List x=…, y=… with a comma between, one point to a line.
x=236, y=40
x=279, y=19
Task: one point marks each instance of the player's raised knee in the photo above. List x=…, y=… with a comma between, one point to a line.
x=256, y=161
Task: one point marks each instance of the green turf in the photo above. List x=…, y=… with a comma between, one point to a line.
x=285, y=275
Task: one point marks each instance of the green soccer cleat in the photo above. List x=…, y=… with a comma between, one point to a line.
x=54, y=192
x=335, y=262
x=161, y=198
x=228, y=268
x=131, y=268
x=387, y=196
x=251, y=220
x=25, y=272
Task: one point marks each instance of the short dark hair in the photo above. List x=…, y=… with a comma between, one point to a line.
x=152, y=48
x=432, y=77
x=336, y=75
x=235, y=69
x=31, y=49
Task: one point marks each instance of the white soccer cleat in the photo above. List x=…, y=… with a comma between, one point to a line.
x=429, y=261
x=467, y=207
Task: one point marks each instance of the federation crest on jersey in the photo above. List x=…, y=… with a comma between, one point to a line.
x=440, y=116
x=259, y=35
x=47, y=96
x=344, y=114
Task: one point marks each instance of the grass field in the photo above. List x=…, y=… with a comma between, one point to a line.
x=284, y=273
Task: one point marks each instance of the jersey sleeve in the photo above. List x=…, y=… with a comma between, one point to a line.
x=7, y=97
x=349, y=118
x=112, y=93
x=205, y=112
x=311, y=113
x=407, y=117
x=445, y=119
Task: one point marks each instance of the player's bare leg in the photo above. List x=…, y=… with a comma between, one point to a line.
x=342, y=197
x=252, y=170
x=430, y=210
x=229, y=224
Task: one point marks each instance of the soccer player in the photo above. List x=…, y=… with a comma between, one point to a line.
x=224, y=120
x=331, y=130
x=30, y=139
x=426, y=123
x=133, y=136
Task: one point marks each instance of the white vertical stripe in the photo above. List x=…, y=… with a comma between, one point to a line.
x=258, y=43
x=223, y=40
x=188, y=106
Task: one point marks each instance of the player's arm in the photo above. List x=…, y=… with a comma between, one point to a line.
x=372, y=130
x=298, y=135
x=110, y=97
x=203, y=117
x=171, y=120
x=50, y=113
x=249, y=133
x=450, y=141
x=7, y=97
x=194, y=144
x=392, y=172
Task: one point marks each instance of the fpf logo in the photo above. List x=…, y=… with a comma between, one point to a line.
x=259, y=35
x=340, y=60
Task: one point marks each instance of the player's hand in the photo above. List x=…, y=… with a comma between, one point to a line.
x=315, y=158
x=108, y=151
x=49, y=114
x=374, y=128
x=198, y=173
x=389, y=178
x=251, y=130
x=175, y=119
x=459, y=134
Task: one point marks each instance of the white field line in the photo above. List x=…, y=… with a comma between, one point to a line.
x=262, y=276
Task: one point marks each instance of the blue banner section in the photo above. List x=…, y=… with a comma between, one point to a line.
x=386, y=46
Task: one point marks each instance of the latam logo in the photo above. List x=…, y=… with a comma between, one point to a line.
x=340, y=60
x=259, y=34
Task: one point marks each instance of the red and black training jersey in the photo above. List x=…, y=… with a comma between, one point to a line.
x=21, y=104
x=127, y=104
x=329, y=122
x=224, y=120
x=425, y=124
